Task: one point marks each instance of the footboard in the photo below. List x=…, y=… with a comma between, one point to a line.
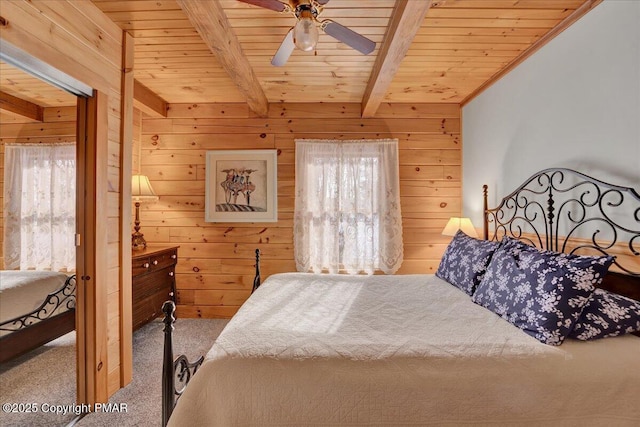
x=176, y=373
x=42, y=325
x=179, y=369
x=63, y=297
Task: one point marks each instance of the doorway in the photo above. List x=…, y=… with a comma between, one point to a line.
x=84, y=112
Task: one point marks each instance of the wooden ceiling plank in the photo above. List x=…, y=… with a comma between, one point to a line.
x=490, y=23
x=563, y=25
x=459, y=45
x=429, y=31
x=504, y=13
x=21, y=107
x=140, y=5
x=147, y=101
x=514, y=4
x=213, y=26
x=335, y=4
x=404, y=24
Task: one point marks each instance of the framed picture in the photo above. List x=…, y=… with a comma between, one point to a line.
x=241, y=186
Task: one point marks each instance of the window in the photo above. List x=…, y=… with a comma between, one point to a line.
x=347, y=209
x=40, y=207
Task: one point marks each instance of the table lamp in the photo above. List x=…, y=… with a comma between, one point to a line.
x=141, y=191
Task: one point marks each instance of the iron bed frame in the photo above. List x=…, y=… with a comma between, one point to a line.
x=39, y=326
x=517, y=215
x=586, y=206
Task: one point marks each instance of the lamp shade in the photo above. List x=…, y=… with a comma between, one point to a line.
x=141, y=190
x=456, y=224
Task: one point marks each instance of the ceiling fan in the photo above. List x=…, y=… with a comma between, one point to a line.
x=304, y=35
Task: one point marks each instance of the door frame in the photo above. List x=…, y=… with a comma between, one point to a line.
x=91, y=268
x=91, y=222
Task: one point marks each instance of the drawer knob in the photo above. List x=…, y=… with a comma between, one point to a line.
x=174, y=256
x=171, y=273
x=171, y=294
x=155, y=262
x=145, y=265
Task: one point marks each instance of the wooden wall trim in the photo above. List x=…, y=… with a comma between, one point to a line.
x=126, y=161
x=542, y=41
x=21, y=107
x=93, y=272
x=81, y=312
x=101, y=241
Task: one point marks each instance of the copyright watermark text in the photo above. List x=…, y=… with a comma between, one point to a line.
x=32, y=408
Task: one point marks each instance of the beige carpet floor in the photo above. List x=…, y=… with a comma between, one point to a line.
x=36, y=377
x=44, y=376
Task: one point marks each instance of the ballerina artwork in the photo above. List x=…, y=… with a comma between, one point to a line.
x=241, y=186
x=238, y=182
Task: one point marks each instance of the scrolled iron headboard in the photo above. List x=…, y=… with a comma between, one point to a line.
x=567, y=211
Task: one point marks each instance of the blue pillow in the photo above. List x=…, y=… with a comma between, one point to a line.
x=465, y=261
x=541, y=292
x=607, y=315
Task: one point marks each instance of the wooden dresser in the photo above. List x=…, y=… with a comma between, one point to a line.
x=154, y=281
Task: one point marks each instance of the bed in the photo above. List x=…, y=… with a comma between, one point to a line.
x=415, y=350
x=35, y=308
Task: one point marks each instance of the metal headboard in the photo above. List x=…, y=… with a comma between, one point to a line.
x=567, y=211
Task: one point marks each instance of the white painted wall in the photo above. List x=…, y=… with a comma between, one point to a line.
x=575, y=103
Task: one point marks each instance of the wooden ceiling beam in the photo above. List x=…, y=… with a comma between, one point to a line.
x=21, y=107
x=212, y=24
x=147, y=101
x=405, y=21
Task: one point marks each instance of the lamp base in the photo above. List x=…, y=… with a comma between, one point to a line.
x=137, y=241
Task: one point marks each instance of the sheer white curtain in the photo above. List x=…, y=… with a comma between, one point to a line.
x=347, y=208
x=40, y=207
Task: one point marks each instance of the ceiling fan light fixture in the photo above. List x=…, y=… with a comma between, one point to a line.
x=305, y=34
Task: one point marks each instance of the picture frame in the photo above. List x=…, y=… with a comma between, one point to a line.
x=241, y=186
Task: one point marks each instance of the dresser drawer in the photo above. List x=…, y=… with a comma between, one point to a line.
x=154, y=261
x=153, y=282
x=148, y=309
x=140, y=265
x=163, y=259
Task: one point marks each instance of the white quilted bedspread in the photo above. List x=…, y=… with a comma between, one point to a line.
x=329, y=350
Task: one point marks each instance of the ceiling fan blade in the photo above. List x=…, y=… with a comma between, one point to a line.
x=322, y=2
x=268, y=4
x=348, y=37
x=284, y=51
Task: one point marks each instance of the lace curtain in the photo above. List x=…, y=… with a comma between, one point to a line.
x=347, y=208
x=40, y=207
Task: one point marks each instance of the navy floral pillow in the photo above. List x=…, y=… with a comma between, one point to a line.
x=465, y=261
x=607, y=315
x=541, y=292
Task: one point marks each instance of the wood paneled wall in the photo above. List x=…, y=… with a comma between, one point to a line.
x=215, y=268
x=81, y=41
x=58, y=126
x=136, y=141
